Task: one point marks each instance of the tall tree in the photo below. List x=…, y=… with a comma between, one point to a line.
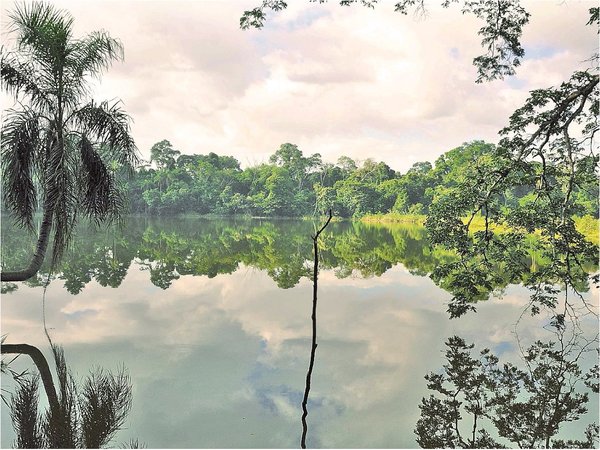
x=164, y=155
x=290, y=157
x=51, y=143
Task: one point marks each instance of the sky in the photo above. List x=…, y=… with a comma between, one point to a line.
x=366, y=83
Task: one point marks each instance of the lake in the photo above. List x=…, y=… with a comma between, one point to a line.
x=212, y=320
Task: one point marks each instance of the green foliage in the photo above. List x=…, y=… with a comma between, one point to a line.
x=589, y=227
x=164, y=155
x=536, y=180
x=293, y=185
x=290, y=158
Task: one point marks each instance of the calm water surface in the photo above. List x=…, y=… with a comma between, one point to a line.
x=212, y=320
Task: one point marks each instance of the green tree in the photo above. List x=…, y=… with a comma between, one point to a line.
x=417, y=187
x=537, y=150
x=278, y=201
x=356, y=198
x=291, y=158
x=373, y=172
x=325, y=199
x=452, y=167
x=347, y=165
x=57, y=145
x=164, y=155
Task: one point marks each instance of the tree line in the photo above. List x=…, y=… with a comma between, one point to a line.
x=292, y=184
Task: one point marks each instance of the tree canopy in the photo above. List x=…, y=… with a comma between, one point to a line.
x=297, y=185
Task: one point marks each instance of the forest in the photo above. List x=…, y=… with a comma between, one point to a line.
x=295, y=185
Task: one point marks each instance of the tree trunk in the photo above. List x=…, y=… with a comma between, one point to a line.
x=40, y=251
x=313, y=347
x=42, y=365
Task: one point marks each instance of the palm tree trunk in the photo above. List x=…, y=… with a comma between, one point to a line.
x=40, y=251
x=42, y=365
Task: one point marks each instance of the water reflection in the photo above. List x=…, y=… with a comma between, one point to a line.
x=171, y=248
x=224, y=354
x=477, y=402
x=79, y=415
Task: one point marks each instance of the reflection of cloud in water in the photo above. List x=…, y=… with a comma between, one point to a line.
x=221, y=362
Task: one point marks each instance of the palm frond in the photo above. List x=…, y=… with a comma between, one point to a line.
x=87, y=57
x=20, y=141
x=60, y=425
x=24, y=414
x=42, y=30
x=111, y=126
x=60, y=194
x=19, y=78
x=133, y=443
x=93, y=54
x=100, y=197
x=105, y=402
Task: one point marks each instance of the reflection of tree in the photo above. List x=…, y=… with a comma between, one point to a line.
x=373, y=249
x=171, y=248
x=169, y=254
x=79, y=416
x=105, y=257
x=523, y=406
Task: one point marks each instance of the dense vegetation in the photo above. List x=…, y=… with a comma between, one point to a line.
x=293, y=184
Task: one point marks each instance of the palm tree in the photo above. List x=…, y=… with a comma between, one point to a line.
x=58, y=144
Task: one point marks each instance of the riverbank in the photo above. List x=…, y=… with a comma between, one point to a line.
x=587, y=225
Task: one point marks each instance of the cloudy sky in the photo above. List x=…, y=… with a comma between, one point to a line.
x=334, y=80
